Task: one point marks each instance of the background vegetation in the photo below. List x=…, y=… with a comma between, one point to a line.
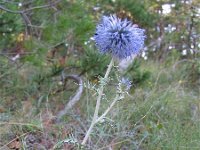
x=40, y=40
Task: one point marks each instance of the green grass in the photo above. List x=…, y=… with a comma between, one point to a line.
x=161, y=114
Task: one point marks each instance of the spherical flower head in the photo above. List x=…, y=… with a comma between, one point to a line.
x=118, y=37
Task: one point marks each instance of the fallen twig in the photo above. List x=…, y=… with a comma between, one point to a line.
x=72, y=100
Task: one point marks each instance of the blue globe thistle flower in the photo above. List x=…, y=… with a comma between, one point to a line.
x=118, y=37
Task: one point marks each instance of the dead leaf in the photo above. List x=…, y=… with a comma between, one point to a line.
x=15, y=144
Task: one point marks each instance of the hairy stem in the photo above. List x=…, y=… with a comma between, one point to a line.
x=109, y=108
x=95, y=117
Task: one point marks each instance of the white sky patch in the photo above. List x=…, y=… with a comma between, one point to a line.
x=15, y=57
x=198, y=12
x=173, y=5
x=66, y=44
x=170, y=47
x=184, y=52
x=143, y=54
x=92, y=38
x=166, y=8
x=19, y=4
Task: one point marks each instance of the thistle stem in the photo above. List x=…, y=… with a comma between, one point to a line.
x=95, y=117
x=108, y=109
